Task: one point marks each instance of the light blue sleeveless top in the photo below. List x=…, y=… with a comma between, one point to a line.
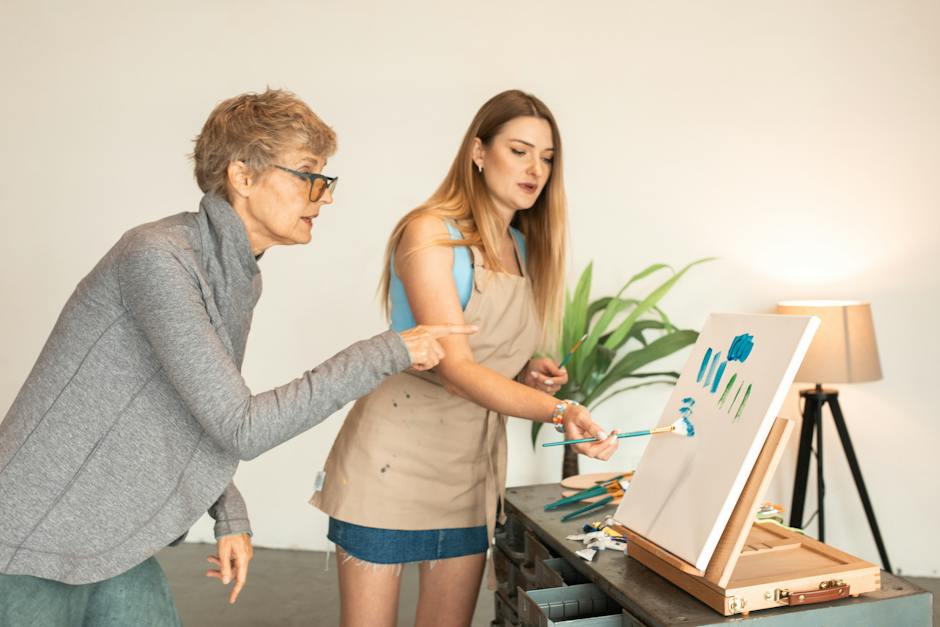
x=402, y=318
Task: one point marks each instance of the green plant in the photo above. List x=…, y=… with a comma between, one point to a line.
x=624, y=335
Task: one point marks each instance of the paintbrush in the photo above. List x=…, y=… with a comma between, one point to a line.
x=590, y=507
x=570, y=354
x=611, y=486
x=682, y=427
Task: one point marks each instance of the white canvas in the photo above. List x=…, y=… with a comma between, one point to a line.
x=737, y=376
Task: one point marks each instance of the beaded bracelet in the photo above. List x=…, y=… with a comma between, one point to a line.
x=558, y=414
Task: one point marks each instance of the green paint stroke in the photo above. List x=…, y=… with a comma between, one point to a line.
x=747, y=393
x=735, y=397
x=724, y=394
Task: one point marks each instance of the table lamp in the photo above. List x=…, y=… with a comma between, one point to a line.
x=842, y=351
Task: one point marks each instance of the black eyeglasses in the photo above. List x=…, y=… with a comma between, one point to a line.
x=319, y=183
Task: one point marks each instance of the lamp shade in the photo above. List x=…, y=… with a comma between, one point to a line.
x=844, y=348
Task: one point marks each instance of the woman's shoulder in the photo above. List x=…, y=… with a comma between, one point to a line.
x=174, y=236
x=427, y=228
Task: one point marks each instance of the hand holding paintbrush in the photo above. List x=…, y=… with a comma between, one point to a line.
x=682, y=427
x=542, y=373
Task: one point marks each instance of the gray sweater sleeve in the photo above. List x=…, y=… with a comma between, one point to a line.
x=163, y=296
x=230, y=513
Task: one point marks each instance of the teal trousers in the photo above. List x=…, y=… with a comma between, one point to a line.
x=140, y=596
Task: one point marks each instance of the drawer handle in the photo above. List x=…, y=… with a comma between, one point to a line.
x=528, y=572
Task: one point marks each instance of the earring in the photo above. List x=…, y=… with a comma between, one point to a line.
x=480, y=167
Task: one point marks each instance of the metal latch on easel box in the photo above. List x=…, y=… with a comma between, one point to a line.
x=827, y=591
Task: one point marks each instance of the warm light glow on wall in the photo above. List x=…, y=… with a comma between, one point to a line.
x=802, y=256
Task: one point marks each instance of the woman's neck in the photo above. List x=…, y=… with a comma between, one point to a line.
x=259, y=238
x=504, y=217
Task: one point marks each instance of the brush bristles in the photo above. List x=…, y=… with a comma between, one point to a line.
x=683, y=427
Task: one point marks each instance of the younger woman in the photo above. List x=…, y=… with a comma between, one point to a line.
x=417, y=472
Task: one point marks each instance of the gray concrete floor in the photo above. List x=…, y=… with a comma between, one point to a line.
x=294, y=589
x=285, y=589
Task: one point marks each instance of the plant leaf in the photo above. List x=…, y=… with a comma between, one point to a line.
x=637, y=332
x=588, y=368
x=596, y=307
x=629, y=387
x=578, y=309
x=665, y=319
x=565, y=322
x=603, y=358
x=659, y=348
x=536, y=425
x=613, y=307
x=654, y=297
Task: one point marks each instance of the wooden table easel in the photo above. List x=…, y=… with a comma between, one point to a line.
x=766, y=565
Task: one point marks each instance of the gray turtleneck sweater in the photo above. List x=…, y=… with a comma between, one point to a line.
x=135, y=416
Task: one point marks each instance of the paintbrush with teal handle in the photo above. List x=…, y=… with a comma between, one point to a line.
x=610, y=486
x=590, y=507
x=682, y=427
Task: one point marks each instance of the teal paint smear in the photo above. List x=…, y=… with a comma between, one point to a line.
x=747, y=393
x=721, y=371
x=724, y=394
x=686, y=411
x=711, y=370
x=741, y=347
x=701, y=371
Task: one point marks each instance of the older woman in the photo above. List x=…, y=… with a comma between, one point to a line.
x=135, y=416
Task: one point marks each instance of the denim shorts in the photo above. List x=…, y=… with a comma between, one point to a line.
x=397, y=546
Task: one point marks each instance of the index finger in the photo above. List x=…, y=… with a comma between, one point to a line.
x=240, y=578
x=452, y=329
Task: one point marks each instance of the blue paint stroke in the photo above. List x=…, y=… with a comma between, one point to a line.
x=701, y=371
x=686, y=412
x=721, y=371
x=711, y=370
x=741, y=347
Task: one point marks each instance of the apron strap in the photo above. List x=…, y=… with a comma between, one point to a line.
x=495, y=486
x=478, y=269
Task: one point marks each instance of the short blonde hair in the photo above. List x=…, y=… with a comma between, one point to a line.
x=256, y=129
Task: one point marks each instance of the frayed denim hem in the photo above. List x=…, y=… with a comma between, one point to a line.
x=346, y=557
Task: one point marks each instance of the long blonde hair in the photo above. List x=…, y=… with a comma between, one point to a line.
x=464, y=198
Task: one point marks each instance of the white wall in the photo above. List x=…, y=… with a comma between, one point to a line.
x=798, y=141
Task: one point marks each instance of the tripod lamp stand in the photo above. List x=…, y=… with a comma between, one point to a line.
x=843, y=351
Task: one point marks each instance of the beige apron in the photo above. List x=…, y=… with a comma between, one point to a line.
x=412, y=456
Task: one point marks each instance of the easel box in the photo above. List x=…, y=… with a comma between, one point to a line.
x=761, y=566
